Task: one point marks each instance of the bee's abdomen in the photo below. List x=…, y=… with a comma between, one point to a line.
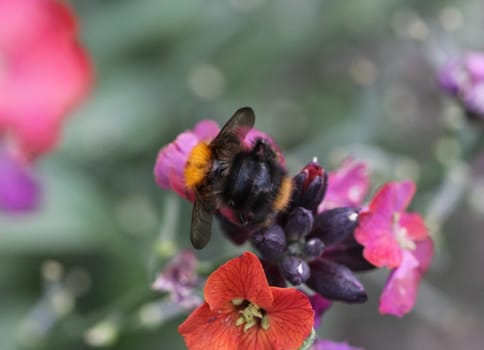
x=198, y=165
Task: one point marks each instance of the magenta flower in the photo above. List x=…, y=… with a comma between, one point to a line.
x=18, y=189
x=329, y=345
x=171, y=161
x=400, y=291
x=179, y=278
x=347, y=186
x=463, y=78
x=320, y=305
x=398, y=240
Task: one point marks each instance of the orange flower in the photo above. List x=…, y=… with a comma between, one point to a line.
x=242, y=312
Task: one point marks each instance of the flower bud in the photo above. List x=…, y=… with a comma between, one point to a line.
x=350, y=255
x=299, y=223
x=310, y=186
x=313, y=248
x=295, y=269
x=336, y=225
x=335, y=282
x=270, y=242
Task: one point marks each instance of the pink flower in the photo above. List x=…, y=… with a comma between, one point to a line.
x=347, y=186
x=463, y=78
x=179, y=278
x=43, y=71
x=18, y=189
x=400, y=292
x=399, y=240
x=170, y=164
x=329, y=345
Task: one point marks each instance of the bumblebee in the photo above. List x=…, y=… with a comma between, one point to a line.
x=247, y=182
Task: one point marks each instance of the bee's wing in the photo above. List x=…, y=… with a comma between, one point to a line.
x=228, y=140
x=201, y=228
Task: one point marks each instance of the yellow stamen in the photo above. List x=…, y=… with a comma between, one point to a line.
x=250, y=315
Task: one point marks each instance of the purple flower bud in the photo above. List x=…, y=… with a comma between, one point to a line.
x=270, y=242
x=295, y=269
x=349, y=254
x=299, y=223
x=313, y=248
x=335, y=282
x=310, y=186
x=336, y=225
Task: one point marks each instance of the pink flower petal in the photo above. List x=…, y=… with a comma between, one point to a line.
x=44, y=71
x=423, y=253
x=330, y=345
x=375, y=233
x=379, y=226
x=393, y=197
x=414, y=225
x=399, y=294
x=170, y=164
x=347, y=186
x=475, y=65
x=19, y=190
x=206, y=130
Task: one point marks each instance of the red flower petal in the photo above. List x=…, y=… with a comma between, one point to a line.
x=290, y=323
x=240, y=278
x=414, y=225
x=208, y=329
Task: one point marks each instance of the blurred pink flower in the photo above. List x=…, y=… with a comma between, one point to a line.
x=347, y=186
x=463, y=78
x=329, y=345
x=179, y=278
x=170, y=163
x=18, y=189
x=43, y=71
x=399, y=240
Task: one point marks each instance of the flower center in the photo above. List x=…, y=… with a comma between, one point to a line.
x=250, y=315
x=401, y=234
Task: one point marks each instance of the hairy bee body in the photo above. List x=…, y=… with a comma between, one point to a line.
x=250, y=184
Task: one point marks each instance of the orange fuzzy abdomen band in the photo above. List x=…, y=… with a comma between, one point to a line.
x=284, y=195
x=198, y=165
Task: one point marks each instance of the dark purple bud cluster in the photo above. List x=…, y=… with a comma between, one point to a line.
x=318, y=249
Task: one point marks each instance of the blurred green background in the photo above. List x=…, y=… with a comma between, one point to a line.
x=326, y=79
